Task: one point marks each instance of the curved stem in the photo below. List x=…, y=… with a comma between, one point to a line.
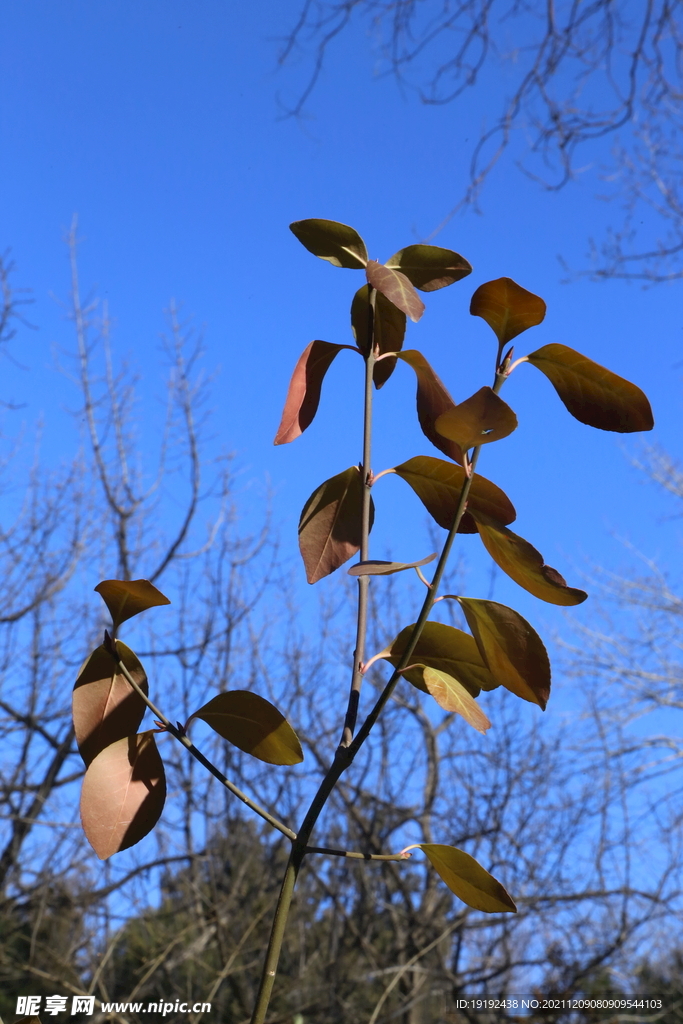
x=197, y=754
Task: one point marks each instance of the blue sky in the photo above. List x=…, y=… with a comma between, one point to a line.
x=160, y=125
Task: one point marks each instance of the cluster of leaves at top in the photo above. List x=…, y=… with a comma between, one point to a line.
x=124, y=789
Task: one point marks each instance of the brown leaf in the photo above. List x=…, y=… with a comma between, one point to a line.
x=432, y=401
x=470, y=882
x=507, y=308
x=480, y=419
x=396, y=287
x=429, y=267
x=123, y=794
x=303, y=395
x=524, y=564
x=446, y=649
x=375, y=567
x=105, y=706
x=254, y=725
x=452, y=696
x=389, y=330
x=337, y=243
x=126, y=598
x=511, y=648
x=591, y=393
x=438, y=485
x=330, y=524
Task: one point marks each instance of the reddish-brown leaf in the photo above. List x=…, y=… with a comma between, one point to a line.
x=330, y=524
x=524, y=564
x=429, y=267
x=126, y=598
x=433, y=400
x=389, y=330
x=438, y=485
x=480, y=419
x=591, y=393
x=105, y=706
x=511, y=648
x=123, y=794
x=396, y=287
x=337, y=243
x=507, y=308
x=375, y=567
x=303, y=395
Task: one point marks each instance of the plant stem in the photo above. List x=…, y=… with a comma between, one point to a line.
x=345, y=754
x=197, y=754
x=363, y=581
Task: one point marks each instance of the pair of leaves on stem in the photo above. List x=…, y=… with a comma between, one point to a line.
x=454, y=666
x=591, y=393
x=427, y=267
x=124, y=788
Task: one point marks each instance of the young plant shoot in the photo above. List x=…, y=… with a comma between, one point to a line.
x=124, y=788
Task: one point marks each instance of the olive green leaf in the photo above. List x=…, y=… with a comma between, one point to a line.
x=253, y=724
x=433, y=400
x=446, y=649
x=524, y=564
x=480, y=419
x=429, y=267
x=389, y=330
x=470, y=882
x=511, y=648
x=105, y=706
x=303, y=395
x=337, y=243
x=452, y=696
x=591, y=393
x=126, y=598
x=396, y=287
x=123, y=795
x=330, y=524
x=375, y=567
x=507, y=308
x=438, y=485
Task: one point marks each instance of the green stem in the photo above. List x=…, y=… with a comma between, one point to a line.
x=345, y=754
x=363, y=581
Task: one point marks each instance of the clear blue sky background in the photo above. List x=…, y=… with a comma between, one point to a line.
x=159, y=125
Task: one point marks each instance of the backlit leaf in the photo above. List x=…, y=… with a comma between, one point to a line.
x=105, y=706
x=591, y=393
x=524, y=564
x=254, y=725
x=389, y=330
x=432, y=401
x=330, y=524
x=452, y=696
x=379, y=568
x=123, y=794
x=470, y=882
x=482, y=418
x=446, y=649
x=429, y=267
x=396, y=287
x=507, y=308
x=511, y=648
x=126, y=598
x=337, y=243
x=438, y=485
x=303, y=395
